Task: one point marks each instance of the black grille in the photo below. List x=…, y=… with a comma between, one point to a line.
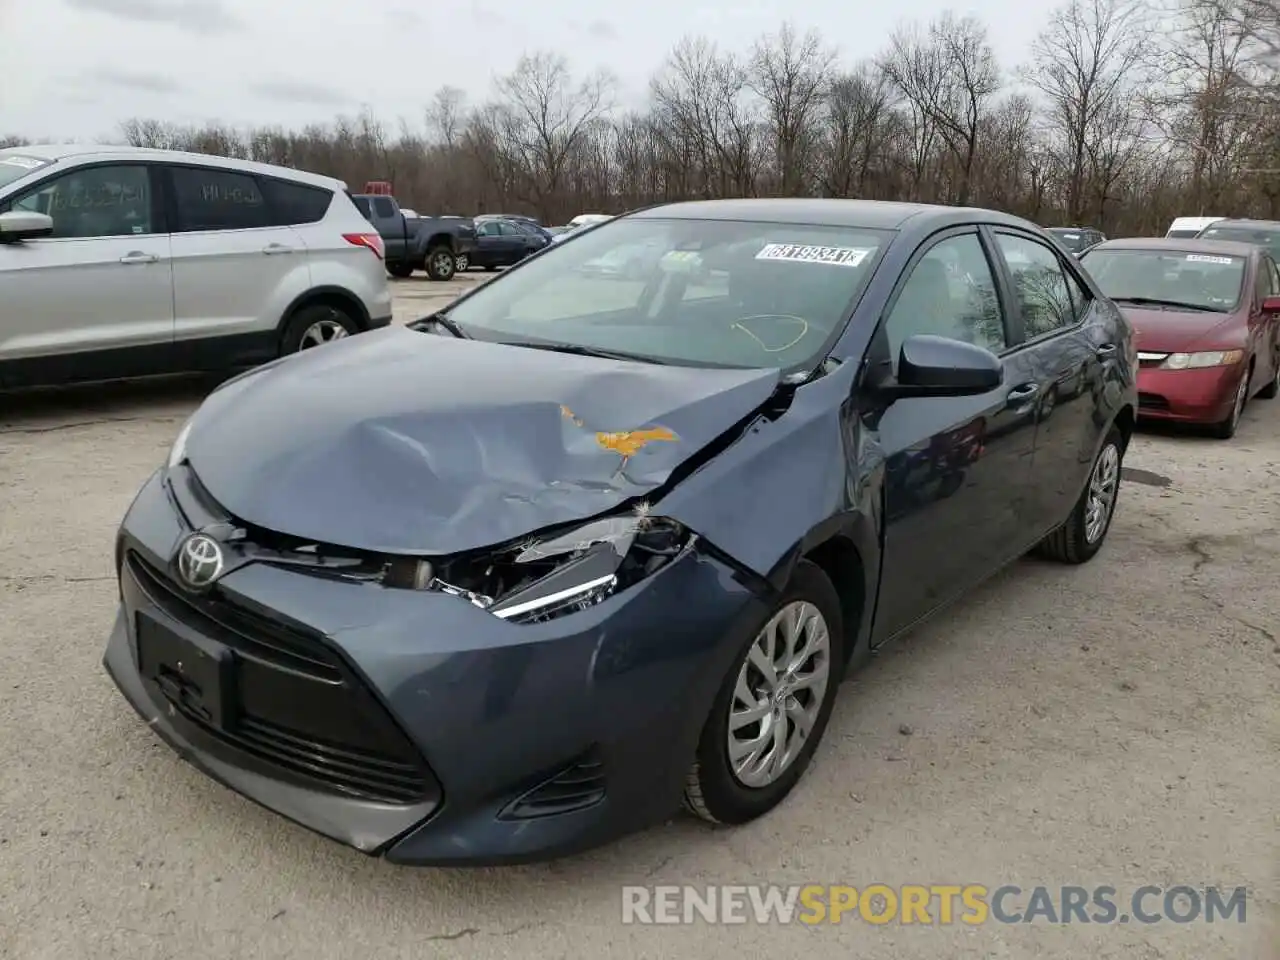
x=298, y=707
x=576, y=788
x=1151, y=401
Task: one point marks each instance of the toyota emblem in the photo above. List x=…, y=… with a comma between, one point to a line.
x=200, y=561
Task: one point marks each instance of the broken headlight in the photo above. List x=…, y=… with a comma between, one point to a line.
x=558, y=574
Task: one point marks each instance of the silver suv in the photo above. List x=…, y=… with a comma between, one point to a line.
x=125, y=262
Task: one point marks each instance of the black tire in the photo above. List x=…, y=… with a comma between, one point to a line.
x=461, y=263
x=402, y=270
x=440, y=264
x=1070, y=543
x=1226, y=429
x=1272, y=389
x=712, y=791
x=301, y=323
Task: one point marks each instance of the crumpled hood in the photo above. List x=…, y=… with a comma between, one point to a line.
x=1171, y=331
x=405, y=442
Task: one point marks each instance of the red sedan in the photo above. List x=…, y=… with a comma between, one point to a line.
x=1206, y=316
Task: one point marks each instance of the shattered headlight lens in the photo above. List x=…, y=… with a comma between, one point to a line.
x=561, y=573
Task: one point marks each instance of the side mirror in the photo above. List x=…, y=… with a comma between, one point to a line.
x=1271, y=305
x=930, y=366
x=19, y=225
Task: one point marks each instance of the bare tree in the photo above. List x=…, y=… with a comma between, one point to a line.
x=791, y=75
x=859, y=117
x=917, y=68
x=1084, y=65
x=545, y=117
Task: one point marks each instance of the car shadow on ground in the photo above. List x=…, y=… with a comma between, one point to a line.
x=55, y=408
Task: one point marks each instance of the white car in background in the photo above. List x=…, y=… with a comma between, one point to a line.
x=1184, y=228
x=126, y=262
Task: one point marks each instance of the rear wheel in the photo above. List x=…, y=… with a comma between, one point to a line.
x=440, y=263
x=401, y=270
x=461, y=262
x=315, y=326
x=1080, y=538
x=772, y=707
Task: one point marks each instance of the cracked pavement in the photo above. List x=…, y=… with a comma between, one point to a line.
x=1117, y=723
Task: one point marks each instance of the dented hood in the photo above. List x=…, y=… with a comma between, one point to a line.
x=405, y=442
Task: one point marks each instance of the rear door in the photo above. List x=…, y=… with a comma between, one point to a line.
x=1064, y=349
x=957, y=469
x=234, y=271
x=95, y=299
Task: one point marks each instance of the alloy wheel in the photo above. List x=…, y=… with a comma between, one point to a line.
x=1103, y=485
x=322, y=332
x=461, y=262
x=778, y=694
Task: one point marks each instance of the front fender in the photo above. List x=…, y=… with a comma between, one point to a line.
x=788, y=484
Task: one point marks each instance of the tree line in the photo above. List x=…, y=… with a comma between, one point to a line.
x=1125, y=114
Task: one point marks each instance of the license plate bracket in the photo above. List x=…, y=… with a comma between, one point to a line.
x=194, y=674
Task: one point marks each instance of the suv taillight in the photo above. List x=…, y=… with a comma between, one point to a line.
x=371, y=240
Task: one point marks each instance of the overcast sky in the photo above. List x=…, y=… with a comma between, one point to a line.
x=75, y=68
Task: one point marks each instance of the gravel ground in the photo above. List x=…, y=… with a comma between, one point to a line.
x=1112, y=724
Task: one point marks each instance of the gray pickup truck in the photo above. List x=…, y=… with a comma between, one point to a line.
x=433, y=244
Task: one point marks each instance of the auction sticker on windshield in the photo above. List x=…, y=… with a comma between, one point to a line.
x=1202, y=258
x=802, y=253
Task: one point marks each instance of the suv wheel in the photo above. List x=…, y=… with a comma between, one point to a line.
x=441, y=264
x=401, y=270
x=315, y=326
x=461, y=262
x=773, y=706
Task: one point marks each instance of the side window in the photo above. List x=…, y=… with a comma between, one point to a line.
x=950, y=292
x=489, y=228
x=362, y=204
x=510, y=230
x=209, y=199
x=295, y=203
x=1040, y=285
x=111, y=201
x=382, y=208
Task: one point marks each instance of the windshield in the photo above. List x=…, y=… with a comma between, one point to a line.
x=1181, y=234
x=1268, y=238
x=693, y=292
x=1200, y=281
x=16, y=165
x=1071, y=239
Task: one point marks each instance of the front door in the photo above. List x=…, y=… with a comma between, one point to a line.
x=95, y=299
x=957, y=469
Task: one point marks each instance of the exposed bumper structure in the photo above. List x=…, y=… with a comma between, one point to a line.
x=414, y=724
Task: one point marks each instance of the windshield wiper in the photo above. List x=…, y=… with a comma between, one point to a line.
x=578, y=350
x=441, y=320
x=1157, y=302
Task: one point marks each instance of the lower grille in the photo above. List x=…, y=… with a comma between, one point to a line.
x=576, y=788
x=297, y=707
x=1151, y=401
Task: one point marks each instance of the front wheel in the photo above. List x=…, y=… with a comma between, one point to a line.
x=1080, y=538
x=1226, y=429
x=772, y=707
x=441, y=264
x=461, y=263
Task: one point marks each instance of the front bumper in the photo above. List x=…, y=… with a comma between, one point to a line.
x=417, y=726
x=1187, y=396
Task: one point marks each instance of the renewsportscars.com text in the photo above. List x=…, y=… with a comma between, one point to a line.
x=931, y=904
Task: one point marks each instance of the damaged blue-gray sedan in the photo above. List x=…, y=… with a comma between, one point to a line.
x=522, y=577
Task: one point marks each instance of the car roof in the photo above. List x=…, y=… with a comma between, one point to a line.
x=1234, y=248
x=1261, y=225
x=869, y=214
x=55, y=152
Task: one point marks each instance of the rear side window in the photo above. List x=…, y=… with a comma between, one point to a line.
x=362, y=204
x=295, y=203
x=209, y=199
x=382, y=208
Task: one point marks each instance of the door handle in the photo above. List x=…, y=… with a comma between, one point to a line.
x=1106, y=351
x=137, y=256
x=1023, y=393
x=273, y=248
